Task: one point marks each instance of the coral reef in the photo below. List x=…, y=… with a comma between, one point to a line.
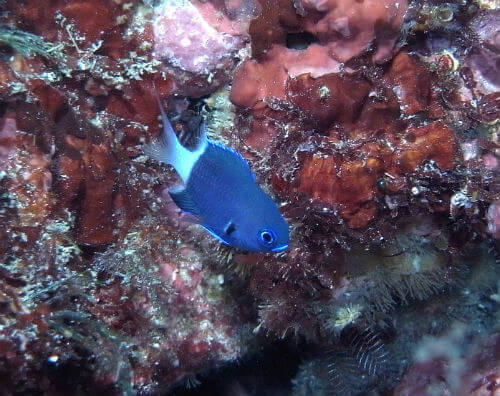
x=374, y=126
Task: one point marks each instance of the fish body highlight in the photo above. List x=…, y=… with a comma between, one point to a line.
x=220, y=191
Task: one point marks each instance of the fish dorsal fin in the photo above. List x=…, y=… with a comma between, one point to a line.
x=189, y=137
x=183, y=200
x=231, y=158
x=168, y=149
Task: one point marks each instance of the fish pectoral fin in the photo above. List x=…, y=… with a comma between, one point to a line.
x=183, y=200
x=229, y=228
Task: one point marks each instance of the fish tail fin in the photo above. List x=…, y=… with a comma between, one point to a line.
x=166, y=146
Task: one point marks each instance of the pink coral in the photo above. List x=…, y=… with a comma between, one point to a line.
x=199, y=40
x=493, y=217
x=349, y=26
x=255, y=81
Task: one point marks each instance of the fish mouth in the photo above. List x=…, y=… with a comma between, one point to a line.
x=280, y=248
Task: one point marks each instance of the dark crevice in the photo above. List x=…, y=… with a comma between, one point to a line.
x=269, y=372
x=300, y=41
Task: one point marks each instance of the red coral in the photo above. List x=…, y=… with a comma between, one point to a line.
x=345, y=28
x=86, y=171
x=93, y=19
x=96, y=225
x=349, y=186
x=90, y=17
x=265, y=76
x=328, y=98
x=412, y=83
x=433, y=142
x=257, y=81
x=137, y=105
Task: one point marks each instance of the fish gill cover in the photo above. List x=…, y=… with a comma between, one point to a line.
x=372, y=124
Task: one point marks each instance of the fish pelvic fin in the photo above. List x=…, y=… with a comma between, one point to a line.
x=184, y=201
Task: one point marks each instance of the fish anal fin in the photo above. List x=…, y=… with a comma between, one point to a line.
x=190, y=218
x=215, y=234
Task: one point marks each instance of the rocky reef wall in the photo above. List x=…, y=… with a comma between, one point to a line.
x=373, y=124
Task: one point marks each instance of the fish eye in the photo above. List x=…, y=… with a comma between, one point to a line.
x=267, y=237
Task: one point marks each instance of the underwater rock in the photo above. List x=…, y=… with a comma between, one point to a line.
x=343, y=29
x=349, y=186
x=411, y=82
x=75, y=303
x=442, y=363
x=146, y=313
x=485, y=25
x=257, y=81
x=181, y=31
x=480, y=68
x=25, y=173
x=329, y=98
x=383, y=160
x=483, y=64
x=196, y=323
x=96, y=180
x=370, y=134
x=271, y=26
x=347, y=27
x=200, y=42
x=86, y=22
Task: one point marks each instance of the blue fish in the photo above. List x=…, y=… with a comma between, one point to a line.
x=220, y=191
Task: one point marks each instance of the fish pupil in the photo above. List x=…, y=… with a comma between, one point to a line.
x=266, y=237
